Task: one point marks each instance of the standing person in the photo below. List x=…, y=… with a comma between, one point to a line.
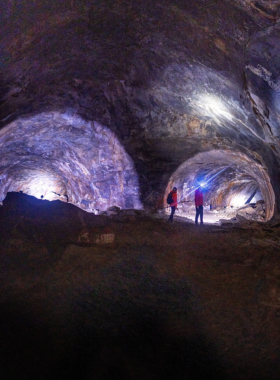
x=174, y=204
x=198, y=199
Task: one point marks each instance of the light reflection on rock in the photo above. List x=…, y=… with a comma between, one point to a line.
x=58, y=157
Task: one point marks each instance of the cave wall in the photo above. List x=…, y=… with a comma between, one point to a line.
x=169, y=81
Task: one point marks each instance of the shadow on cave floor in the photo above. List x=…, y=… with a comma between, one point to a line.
x=132, y=297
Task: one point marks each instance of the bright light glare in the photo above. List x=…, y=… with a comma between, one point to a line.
x=239, y=200
x=214, y=106
x=42, y=186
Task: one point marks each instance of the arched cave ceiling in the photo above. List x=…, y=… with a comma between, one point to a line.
x=113, y=102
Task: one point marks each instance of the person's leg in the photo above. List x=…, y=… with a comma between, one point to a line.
x=196, y=215
x=173, y=208
x=172, y=212
x=201, y=214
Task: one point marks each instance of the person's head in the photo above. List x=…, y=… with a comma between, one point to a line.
x=175, y=189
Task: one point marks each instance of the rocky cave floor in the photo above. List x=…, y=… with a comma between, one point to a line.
x=132, y=297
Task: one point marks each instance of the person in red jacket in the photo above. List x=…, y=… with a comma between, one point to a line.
x=198, y=199
x=174, y=204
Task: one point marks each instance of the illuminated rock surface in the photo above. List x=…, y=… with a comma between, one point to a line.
x=53, y=156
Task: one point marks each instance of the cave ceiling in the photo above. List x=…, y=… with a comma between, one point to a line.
x=113, y=102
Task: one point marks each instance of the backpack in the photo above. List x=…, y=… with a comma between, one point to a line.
x=169, y=199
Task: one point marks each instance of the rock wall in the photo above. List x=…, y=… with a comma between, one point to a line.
x=169, y=81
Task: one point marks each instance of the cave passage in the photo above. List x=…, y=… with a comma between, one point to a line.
x=229, y=182
x=60, y=156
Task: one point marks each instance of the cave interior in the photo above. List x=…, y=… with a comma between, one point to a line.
x=111, y=104
x=107, y=105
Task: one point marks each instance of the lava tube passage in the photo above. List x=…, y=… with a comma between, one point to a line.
x=232, y=184
x=60, y=156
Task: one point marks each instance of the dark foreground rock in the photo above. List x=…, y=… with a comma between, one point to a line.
x=161, y=301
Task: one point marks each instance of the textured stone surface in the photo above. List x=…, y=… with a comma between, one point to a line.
x=55, y=156
x=171, y=82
